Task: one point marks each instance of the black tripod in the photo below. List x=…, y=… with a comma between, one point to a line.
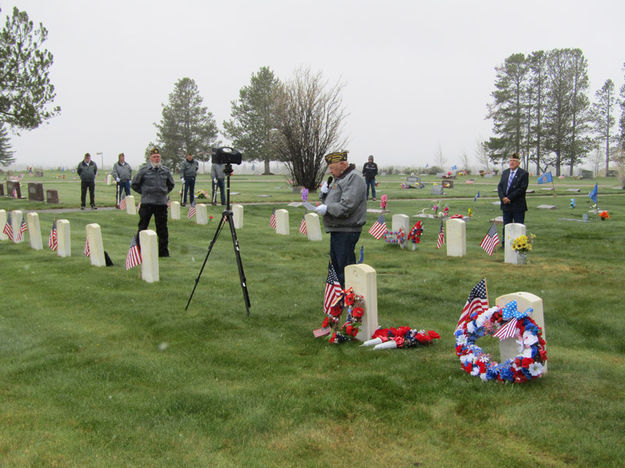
x=226, y=216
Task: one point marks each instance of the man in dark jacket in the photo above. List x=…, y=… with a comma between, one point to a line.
x=87, y=171
x=369, y=171
x=122, y=172
x=188, y=173
x=511, y=189
x=154, y=181
x=344, y=210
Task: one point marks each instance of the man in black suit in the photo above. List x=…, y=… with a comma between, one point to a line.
x=511, y=189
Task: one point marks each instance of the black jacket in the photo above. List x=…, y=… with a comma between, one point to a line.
x=517, y=190
x=370, y=170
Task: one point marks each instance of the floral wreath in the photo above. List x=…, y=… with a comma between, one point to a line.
x=415, y=233
x=395, y=237
x=402, y=337
x=355, y=310
x=506, y=322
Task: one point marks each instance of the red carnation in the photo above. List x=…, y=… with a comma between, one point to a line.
x=325, y=323
x=357, y=312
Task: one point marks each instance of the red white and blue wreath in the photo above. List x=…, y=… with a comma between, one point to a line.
x=354, y=305
x=506, y=322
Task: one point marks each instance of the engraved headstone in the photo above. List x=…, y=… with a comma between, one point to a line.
x=63, y=236
x=363, y=279
x=174, y=210
x=456, y=238
x=94, y=237
x=149, y=256
x=513, y=230
x=34, y=231
x=313, y=227
x=35, y=191
x=52, y=196
x=282, y=222
x=13, y=188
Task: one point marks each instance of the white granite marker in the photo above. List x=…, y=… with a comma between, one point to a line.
x=63, y=237
x=401, y=221
x=313, y=227
x=237, y=215
x=513, y=230
x=456, y=238
x=509, y=348
x=109, y=179
x=16, y=222
x=282, y=222
x=34, y=231
x=131, y=209
x=201, y=214
x=362, y=278
x=3, y=221
x=94, y=236
x=174, y=210
x=149, y=255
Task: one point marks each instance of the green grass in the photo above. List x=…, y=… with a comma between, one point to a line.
x=98, y=368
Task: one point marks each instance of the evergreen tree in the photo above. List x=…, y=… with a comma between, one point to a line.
x=6, y=154
x=254, y=118
x=622, y=120
x=186, y=126
x=536, y=86
x=580, y=142
x=603, y=118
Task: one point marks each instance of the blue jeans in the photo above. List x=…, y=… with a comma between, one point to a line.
x=189, y=185
x=123, y=187
x=342, y=245
x=370, y=183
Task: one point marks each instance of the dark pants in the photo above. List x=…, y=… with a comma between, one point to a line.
x=160, y=218
x=189, y=185
x=222, y=190
x=517, y=216
x=123, y=187
x=84, y=185
x=370, y=183
x=342, y=245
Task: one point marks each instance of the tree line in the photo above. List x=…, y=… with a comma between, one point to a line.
x=540, y=109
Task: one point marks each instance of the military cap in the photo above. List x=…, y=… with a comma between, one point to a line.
x=335, y=157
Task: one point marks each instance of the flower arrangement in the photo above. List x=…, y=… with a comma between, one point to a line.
x=201, y=194
x=523, y=244
x=415, y=233
x=402, y=337
x=604, y=215
x=355, y=310
x=395, y=237
x=528, y=365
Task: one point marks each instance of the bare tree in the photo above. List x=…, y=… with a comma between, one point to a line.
x=481, y=153
x=440, y=159
x=310, y=118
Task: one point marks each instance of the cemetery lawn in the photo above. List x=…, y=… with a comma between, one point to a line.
x=98, y=368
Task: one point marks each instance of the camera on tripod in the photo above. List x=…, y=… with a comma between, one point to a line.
x=226, y=155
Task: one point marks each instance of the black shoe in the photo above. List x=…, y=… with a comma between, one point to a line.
x=183, y=204
x=82, y=207
x=164, y=253
x=93, y=208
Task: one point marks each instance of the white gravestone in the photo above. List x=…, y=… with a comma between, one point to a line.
x=401, y=221
x=201, y=214
x=362, y=278
x=109, y=179
x=3, y=222
x=175, y=210
x=513, y=230
x=131, y=209
x=34, y=231
x=509, y=348
x=456, y=238
x=64, y=240
x=313, y=227
x=282, y=222
x=149, y=255
x=16, y=223
x=237, y=215
x=96, y=249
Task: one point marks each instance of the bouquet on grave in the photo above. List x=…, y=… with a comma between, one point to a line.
x=201, y=194
x=353, y=304
x=523, y=244
x=402, y=337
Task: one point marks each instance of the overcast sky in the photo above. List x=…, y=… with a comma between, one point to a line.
x=418, y=75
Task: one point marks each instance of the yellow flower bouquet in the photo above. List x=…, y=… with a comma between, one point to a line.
x=523, y=244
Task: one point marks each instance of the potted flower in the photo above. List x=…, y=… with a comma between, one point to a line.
x=522, y=245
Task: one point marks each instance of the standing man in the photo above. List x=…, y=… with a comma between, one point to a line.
x=218, y=176
x=122, y=172
x=154, y=181
x=344, y=210
x=370, y=170
x=188, y=172
x=511, y=189
x=87, y=171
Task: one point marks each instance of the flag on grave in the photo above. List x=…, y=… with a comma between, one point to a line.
x=133, y=258
x=53, y=240
x=22, y=230
x=8, y=227
x=302, y=227
x=379, y=228
x=477, y=302
x=440, y=240
x=122, y=204
x=490, y=241
x=332, y=291
x=593, y=194
x=87, y=250
x=191, y=212
x=477, y=195
x=272, y=220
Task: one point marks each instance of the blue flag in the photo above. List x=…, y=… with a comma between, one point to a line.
x=362, y=254
x=454, y=167
x=593, y=194
x=476, y=196
x=546, y=177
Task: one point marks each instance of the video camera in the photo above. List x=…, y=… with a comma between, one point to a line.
x=226, y=155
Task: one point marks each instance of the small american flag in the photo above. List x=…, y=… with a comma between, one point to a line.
x=122, y=204
x=507, y=331
x=53, y=240
x=332, y=291
x=477, y=302
x=191, y=212
x=379, y=228
x=134, y=254
x=490, y=241
x=440, y=241
x=87, y=250
x=8, y=227
x=272, y=220
x=23, y=229
x=302, y=227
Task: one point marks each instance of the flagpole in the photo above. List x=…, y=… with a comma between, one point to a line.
x=486, y=288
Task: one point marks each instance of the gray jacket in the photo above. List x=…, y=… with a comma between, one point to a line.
x=189, y=169
x=153, y=183
x=87, y=172
x=122, y=172
x=217, y=171
x=347, y=202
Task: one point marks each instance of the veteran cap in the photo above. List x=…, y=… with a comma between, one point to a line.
x=335, y=157
x=515, y=156
x=155, y=151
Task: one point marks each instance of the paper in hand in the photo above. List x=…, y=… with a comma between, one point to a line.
x=309, y=206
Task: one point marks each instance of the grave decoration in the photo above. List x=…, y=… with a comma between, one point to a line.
x=469, y=213
x=523, y=244
x=572, y=204
x=395, y=237
x=402, y=337
x=353, y=305
x=435, y=208
x=604, y=215
x=502, y=322
x=201, y=194
x=415, y=233
x=383, y=202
